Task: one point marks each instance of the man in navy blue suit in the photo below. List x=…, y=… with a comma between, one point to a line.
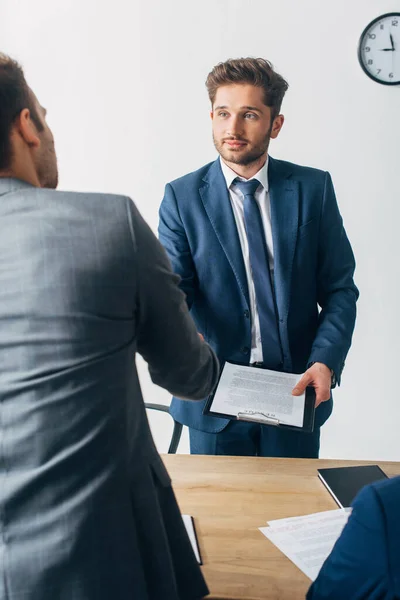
x=264, y=261
x=365, y=561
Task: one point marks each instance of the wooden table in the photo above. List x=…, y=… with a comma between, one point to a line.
x=230, y=497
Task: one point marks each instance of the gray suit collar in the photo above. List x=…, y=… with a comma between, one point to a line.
x=9, y=184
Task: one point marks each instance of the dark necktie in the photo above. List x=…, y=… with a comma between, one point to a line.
x=271, y=346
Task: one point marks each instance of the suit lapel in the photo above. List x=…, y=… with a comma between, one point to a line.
x=217, y=204
x=284, y=198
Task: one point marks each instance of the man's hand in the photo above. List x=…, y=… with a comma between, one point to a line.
x=201, y=336
x=319, y=377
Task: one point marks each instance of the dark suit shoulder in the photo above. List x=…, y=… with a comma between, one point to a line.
x=192, y=179
x=377, y=507
x=380, y=498
x=392, y=485
x=299, y=172
x=388, y=492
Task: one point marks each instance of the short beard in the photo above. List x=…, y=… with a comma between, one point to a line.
x=246, y=158
x=48, y=170
x=49, y=178
x=51, y=183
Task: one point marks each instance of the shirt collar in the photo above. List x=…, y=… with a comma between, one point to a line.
x=230, y=175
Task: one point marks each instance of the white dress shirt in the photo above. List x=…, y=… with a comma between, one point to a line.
x=263, y=200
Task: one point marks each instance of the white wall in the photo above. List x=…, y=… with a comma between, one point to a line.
x=123, y=82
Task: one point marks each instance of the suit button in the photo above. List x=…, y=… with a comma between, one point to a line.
x=246, y=314
x=245, y=350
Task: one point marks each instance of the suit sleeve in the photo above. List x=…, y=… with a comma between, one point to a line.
x=337, y=294
x=167, y=338
x=357, y=567
x=172, y=235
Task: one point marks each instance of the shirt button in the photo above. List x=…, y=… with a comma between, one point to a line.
x=244, y=349
x=246, y=314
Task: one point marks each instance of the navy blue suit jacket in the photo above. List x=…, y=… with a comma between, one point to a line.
x=365, y=561
x=313, y=265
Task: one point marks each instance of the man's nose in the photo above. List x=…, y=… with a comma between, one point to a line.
x=235, y=127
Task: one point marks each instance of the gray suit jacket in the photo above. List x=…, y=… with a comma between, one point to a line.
x=87, y=511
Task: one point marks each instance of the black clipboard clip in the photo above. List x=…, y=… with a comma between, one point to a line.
x=255, y=416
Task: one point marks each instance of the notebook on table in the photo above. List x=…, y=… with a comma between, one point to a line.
x=344, y=483
x=191, y=531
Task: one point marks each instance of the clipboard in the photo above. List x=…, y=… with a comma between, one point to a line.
x=263, y=419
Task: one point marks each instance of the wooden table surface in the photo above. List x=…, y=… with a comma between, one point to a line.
x=230, y=498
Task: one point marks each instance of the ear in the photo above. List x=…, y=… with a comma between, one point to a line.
x=277, y=126
x=212, y=115
x=26, y=128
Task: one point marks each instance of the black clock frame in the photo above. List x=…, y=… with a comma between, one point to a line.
x=360, y=60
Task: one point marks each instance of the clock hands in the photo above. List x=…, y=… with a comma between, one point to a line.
x=392, y=49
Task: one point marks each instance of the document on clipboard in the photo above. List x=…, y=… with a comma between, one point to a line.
x=262, y=396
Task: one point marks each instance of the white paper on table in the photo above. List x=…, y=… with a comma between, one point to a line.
x=307, y=518
x=308, y=541
x=188, y=522
x=259, y=392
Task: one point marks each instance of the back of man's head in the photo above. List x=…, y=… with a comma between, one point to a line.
x=15, y=95
x=26, y=142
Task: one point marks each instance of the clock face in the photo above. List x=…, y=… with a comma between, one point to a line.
x=379, y=49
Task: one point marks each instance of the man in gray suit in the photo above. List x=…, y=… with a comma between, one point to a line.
x=87, y=511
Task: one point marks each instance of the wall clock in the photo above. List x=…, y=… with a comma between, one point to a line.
x=379, y=49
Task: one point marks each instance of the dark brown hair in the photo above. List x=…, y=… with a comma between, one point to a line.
x=15, y=95
x=255, y=71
